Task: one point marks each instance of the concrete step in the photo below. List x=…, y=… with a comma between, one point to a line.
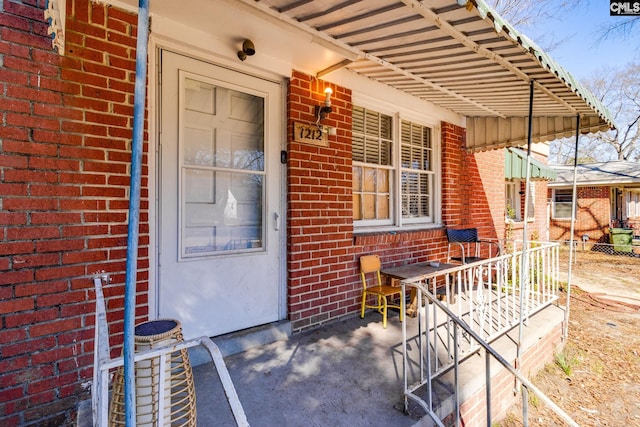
x=237, y=342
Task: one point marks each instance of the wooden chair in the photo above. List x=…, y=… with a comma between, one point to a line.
x=371, y=264
x=467, y=247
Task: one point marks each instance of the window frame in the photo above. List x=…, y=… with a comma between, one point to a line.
x=531, y=216
x=396, y=220
x=632, y=201
x=516, y=186
x=519, y=187
x=555, y=203
x=391, y=171
x=430, y=173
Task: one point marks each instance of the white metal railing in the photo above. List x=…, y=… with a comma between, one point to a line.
x=427, y=354
x=468, y=307
x=103, y=364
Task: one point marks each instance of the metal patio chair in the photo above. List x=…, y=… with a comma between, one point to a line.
x=466, y=247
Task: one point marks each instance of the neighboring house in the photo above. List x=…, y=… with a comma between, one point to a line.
x=608, y=196
x=255, y=207
x=515, y=173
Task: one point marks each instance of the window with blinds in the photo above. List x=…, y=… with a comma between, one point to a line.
x=562, y=203
x=416, y=176
x=371, y=150
x=393, y=171
x=531, y=207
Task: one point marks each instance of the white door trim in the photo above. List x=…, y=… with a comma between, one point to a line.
x=156, y=44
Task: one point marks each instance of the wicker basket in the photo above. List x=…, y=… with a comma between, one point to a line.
x=180, y=401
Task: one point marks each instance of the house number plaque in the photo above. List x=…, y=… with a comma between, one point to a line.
x=309, y=134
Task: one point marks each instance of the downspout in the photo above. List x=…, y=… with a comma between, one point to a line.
x=574, y=203
x=134, y=212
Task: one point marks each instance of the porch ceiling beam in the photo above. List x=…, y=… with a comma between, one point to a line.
x=333, y=68
x=431, y=84
x=462, y=38
x=353, y=53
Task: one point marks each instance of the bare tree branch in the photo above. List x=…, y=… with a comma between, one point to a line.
x=526, y=12
x=523, y=13
x=619, y=90
x=624, y=28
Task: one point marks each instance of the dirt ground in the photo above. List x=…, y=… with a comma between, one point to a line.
x=596, y=378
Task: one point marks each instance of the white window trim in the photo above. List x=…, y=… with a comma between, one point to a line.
x=517, y=208
x=520, y=185
x=632, y=201
x=532, y=201
x=397, y=222
x=553, y=207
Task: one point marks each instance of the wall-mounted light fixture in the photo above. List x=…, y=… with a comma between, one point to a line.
x=248, y=49
x=323, y=110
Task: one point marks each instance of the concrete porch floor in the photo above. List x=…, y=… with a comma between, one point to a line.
x=346, y=373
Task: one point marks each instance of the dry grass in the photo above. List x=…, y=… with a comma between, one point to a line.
x=596, y=379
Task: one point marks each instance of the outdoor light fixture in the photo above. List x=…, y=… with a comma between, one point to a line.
x=248, y=49
x=323, y=110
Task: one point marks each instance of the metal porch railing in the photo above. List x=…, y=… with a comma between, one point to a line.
x=467, y=308
x=104, y=365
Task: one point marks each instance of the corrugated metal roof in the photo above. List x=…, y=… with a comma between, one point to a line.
x=515, y=166
x=460, y=55
x=602, y=173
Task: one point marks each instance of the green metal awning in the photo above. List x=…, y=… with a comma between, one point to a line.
x=515, y=166
x=486, y=132
x=457, y=54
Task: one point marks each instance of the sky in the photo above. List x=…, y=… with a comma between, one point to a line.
x=581, y=53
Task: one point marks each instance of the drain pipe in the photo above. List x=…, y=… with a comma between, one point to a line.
x=134, y=212
x=565, y=331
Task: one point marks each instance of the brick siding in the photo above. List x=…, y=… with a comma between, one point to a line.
x=593, y=214
x=64, y=164
x=320, y=226
x=64, y=168
x=474, y=409
x=323, y=248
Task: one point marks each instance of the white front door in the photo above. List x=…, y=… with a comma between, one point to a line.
x=219, y=198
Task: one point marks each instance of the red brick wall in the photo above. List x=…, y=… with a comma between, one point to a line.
x=454, y=196
x=486, y=193
x=472, y=185
x=593, y=214
x=320, y=225
x=323, y=251
x=64, y=167
x=64, y=178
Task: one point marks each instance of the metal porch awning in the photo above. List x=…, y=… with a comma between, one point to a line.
x=459, y=55
x=515, y=166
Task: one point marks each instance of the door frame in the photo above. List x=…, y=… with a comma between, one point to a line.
x=156, y=45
